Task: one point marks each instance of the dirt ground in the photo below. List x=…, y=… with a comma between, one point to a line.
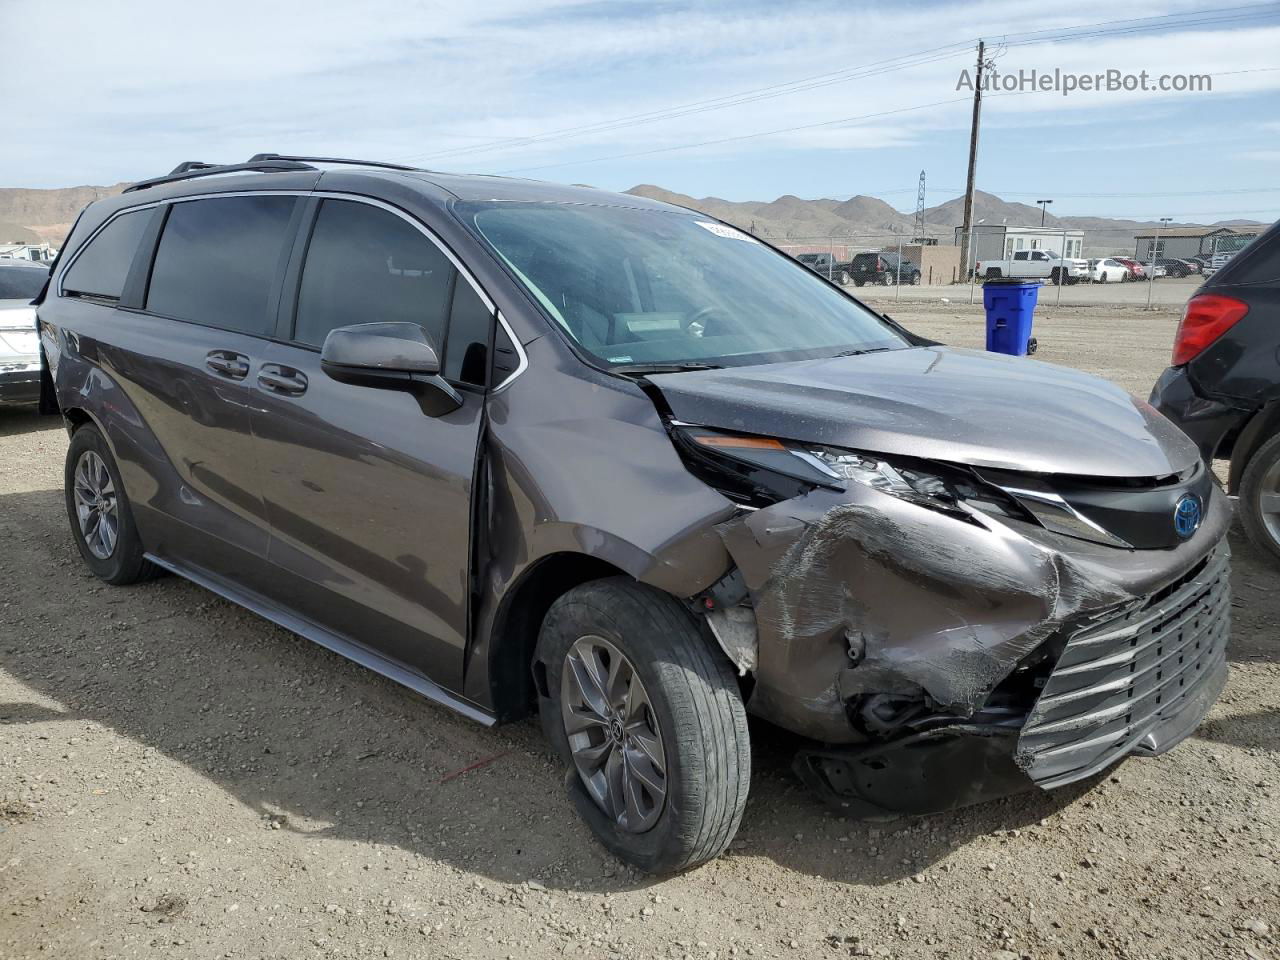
x=179, y=778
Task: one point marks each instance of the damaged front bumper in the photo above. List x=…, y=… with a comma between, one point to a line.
x=944, y=666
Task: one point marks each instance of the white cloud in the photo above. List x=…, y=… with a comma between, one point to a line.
x=129, y=91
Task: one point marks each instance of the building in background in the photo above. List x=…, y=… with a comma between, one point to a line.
x=999, y=241
x=39, y=252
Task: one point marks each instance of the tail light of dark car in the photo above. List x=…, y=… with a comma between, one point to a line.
x=1207, y=317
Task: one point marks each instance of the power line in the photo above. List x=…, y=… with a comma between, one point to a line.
x=1216, y=16
x=863, y=72
x=750, y=136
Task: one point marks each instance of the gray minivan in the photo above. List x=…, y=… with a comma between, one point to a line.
x=530, y=448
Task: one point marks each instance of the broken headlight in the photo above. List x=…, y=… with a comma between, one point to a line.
x=758, y=471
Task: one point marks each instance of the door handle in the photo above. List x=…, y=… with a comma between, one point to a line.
x=228, y=363
x=283, y=380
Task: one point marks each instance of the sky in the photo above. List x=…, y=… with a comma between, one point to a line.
x=703, y=98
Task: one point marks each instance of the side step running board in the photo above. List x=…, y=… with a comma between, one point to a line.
x=356, y=652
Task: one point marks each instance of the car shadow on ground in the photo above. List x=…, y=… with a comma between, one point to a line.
x=18, y=420
x=322, y=748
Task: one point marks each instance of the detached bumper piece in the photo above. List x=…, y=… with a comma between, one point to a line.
x=1139, y=682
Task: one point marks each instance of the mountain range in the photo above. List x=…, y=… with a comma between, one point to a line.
x=36, y=215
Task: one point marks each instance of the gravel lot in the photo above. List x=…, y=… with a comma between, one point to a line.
x=179, y=778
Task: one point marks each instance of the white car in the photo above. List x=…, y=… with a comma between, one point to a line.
x=1107, y=270
x=20, y=282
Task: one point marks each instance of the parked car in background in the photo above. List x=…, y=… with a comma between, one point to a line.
x=20, y=282
x=883, y=269
x=1107, y=270
x=1217, y=262
x=1223, y=388
x=1174, y=268
x=1035, y=264
x=529, y=448
x=834, y=270
x=1136, y=271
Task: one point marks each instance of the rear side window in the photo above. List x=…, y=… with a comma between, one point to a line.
x=1259, y=262
x=365, y=265
x=217, y=260
x=103, y=266
x=21, y=283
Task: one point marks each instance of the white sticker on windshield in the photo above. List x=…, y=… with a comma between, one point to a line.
x=720, y=230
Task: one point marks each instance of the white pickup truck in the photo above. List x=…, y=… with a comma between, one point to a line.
x=1035, y=265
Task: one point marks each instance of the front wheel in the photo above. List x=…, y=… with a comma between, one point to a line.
x=1104, y=276
x=648, y=718
x=844, y=278
x=1260, y=497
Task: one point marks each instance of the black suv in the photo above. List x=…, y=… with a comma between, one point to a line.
x=1224, y=386
x=530, y=448
x=883, y=269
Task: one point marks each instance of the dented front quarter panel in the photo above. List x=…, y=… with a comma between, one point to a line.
x=857, y=592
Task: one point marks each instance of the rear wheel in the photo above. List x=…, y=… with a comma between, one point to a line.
x=99, y=512
x=858, y=283
x=1055, y=276
x=884, y=279
x=1260, y=497
x=648, y=719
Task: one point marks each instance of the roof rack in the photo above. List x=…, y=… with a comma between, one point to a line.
x=191, y=169
x=358, y=163
x=258, y=163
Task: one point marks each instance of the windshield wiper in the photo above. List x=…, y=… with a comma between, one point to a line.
x=640, y=369
x=861, y=351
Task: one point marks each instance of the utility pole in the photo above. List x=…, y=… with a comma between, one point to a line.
x=1044, y=205
x=1155, y=251
x=967, y=236
x=919, y=224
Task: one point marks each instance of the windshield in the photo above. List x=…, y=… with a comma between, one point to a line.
x=652, y=287
x=21, y=283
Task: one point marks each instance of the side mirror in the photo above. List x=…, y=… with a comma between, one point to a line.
x=389, y=356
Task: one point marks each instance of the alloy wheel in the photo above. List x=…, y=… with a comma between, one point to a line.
x=96, y=505
x=1269, y=500
x=613, y=733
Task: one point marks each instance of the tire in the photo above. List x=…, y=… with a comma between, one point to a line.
x=858, y=283
x=844, y=278
x=694, y=711
x=884, y=279
x=915, y=280
x=1261, y=480
x=1055, y=276
x=92, y=477
x=1104, y=276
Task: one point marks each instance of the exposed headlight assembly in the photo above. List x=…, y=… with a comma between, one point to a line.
x=758, y=471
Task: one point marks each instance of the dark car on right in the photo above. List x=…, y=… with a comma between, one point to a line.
x=883, y=269
x=1224, y=386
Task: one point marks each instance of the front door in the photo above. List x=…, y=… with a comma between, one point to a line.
x=369, y=499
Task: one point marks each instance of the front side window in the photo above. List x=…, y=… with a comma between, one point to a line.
x=217, y=261
x=365, y=265
x=652, y=287
x=101, y=269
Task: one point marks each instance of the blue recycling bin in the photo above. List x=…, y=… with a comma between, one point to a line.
x=1010, y=304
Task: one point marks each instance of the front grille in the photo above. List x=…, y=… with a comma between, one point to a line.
x=1136, y=673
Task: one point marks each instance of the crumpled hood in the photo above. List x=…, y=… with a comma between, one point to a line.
x=941, y=403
